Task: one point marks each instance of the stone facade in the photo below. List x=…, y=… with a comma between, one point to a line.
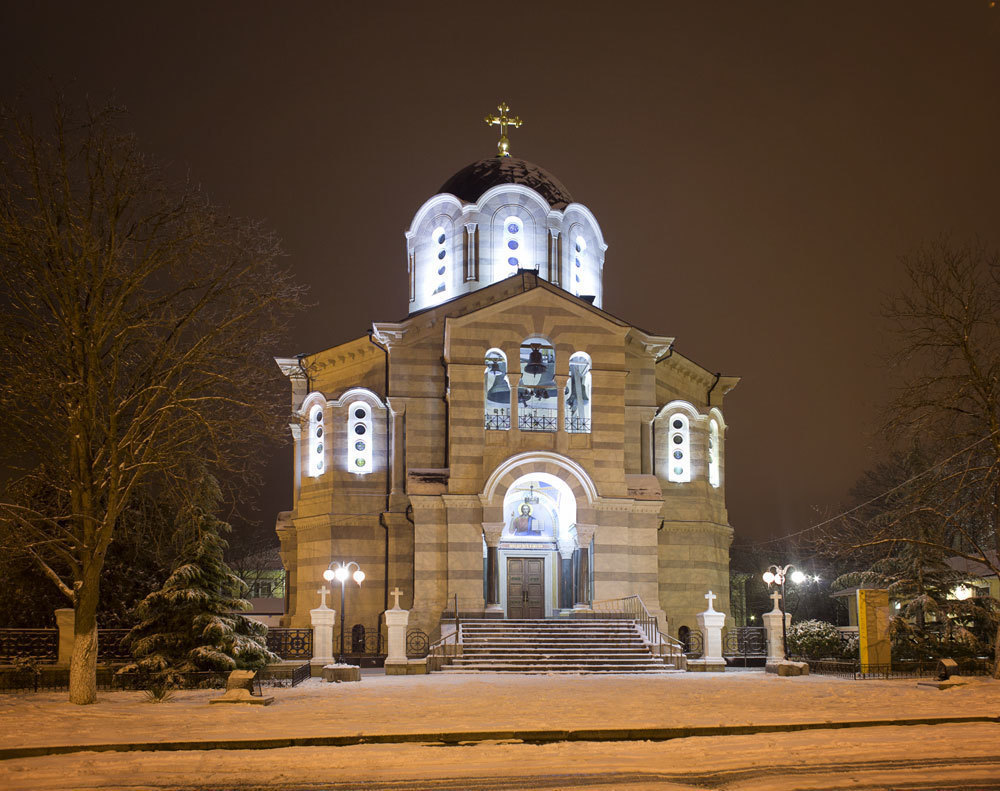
x=433, y=507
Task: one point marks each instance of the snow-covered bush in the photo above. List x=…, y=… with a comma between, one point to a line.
x=814, y=640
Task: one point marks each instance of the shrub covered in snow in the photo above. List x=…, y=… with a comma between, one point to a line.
x=814, y=640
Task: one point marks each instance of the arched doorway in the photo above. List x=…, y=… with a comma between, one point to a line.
x=537, y=552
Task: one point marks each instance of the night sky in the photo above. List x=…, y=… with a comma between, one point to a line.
x=757, y=169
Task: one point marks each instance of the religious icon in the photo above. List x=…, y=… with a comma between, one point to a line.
x=525, y=524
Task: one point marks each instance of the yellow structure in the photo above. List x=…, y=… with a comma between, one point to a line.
x=873, y=625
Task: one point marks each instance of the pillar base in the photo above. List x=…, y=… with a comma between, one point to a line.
x=706, y=665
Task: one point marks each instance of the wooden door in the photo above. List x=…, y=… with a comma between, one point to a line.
x=525, y=588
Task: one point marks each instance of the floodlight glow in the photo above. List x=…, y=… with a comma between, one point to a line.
x=962, y=592
x=341, y=573
x=359, y=576
x=798, y=577
x=328, y=575
x=769, y=577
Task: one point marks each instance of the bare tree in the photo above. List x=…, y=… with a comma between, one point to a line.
x=947, y=403
x=136, y=325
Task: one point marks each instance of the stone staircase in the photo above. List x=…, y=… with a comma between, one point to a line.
x=554, y=646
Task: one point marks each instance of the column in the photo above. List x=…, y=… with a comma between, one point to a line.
x=581, y=566
x=492, y=532
x=471, y=253
x=566, y=551
x=772, y=625
x=555, y=268
x=561, y=403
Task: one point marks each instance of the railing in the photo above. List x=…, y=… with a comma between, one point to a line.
x=693, y=644
x=577, y=425
x=361, y=641
x=900, y=669
x=111, y=645
x=498, y=422
x=744, y=643
x=417, y=644
x=290, y=643
x=634, y=609
x=39, y=644
x=538, y=420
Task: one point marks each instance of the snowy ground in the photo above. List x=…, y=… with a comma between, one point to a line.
x=948, y=756
x=402, y=704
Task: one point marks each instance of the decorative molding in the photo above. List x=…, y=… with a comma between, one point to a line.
x=511, y=464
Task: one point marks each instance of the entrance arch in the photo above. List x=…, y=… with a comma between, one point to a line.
x=538, y=524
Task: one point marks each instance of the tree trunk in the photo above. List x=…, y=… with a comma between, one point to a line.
x=83, y=665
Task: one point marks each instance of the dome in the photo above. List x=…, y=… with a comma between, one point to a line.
x=473, y=180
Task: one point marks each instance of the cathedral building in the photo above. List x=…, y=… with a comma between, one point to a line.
x=510, y=446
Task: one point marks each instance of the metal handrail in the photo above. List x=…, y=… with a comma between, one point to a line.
x=634, y=608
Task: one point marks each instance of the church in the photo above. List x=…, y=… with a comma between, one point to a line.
x=511, y=447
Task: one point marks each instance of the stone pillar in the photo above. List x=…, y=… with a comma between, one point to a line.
x=561, y=403
x=555, y=262
x=492, y=532
x=710, y=622
x=566, y=551
x=581, y=566
x=471, y=253
x=64, y=623
x=323, y=619
x=772, y=625
x=396, y=620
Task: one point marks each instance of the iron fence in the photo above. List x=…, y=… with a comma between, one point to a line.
x=361, y=641
x=743, y=643
x=112, y=647
x=901, y=669
x=693, y=643
x=290, y=643
x=538, y=420
x=498, y=422
x=417, y=644
x=577, y=425
x=39, y=644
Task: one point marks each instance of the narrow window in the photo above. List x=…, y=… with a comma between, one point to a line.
x=439, y=248
x=359, y=438
x=496, y=389
x=713, y=453
x=515, y=246
x=577, y=406
x=580, y=268
x=537, y=393
x=316, y=464
x=680, y=449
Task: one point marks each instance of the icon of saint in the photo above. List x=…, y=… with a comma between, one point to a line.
x=525, y=524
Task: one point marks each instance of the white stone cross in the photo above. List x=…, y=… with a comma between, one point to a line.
x=397, y=593
x=776, y=597
x=323, y=593
x=711, y=600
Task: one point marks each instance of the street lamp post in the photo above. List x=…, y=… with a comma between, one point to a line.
x=341, y=571
x=775, y=575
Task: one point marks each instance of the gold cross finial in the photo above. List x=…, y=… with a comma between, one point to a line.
x=503, y=121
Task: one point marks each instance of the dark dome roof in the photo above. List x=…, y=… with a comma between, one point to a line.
x=473, y=180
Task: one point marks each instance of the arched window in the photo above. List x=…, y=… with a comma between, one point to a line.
x=359, y=438
x=577, y=406
x=537, y=393
x=713, y=453
x=516, y=248
x=439, y=248
x=679, y=470
x=316, y=464
x=496, y=392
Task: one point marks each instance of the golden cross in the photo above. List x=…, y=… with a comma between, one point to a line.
x=503, y=121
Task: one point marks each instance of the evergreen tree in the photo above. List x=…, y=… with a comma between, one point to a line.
x=194, y=622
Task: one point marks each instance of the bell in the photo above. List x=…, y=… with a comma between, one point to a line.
x=499, y=392
x=535, y=364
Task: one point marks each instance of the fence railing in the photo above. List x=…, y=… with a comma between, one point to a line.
x=38, y=644
x=900, y=669
x=538, y=419
x=745, y=642
x=290, y=643
x=497, y=422
x=577, y=425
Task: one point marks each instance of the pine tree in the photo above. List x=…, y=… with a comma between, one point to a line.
x=194, y=621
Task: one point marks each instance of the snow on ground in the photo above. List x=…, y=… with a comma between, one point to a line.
x=944, y=756
x=408, y=704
